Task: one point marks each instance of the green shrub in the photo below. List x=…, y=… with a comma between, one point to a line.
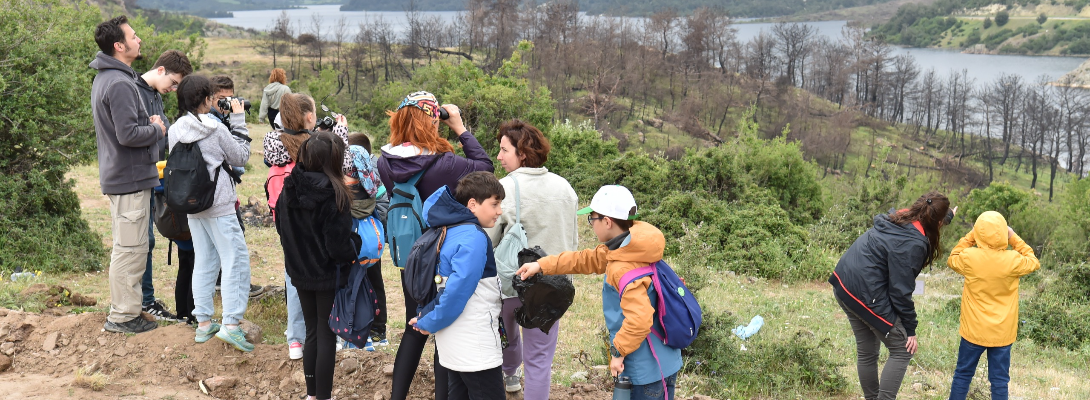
x=1000, y=197
x=1001, y=18
x=770, y=367
x=1057, y=315
x=754, y=237
x=43, y=133
x=987, y=22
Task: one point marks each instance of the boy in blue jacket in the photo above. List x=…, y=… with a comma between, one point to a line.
x=465, y=312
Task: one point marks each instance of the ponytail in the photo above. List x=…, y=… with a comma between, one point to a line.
x=931, y=211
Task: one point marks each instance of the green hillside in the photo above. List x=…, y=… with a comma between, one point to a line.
x=988, y=26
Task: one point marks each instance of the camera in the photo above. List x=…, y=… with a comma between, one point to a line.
x=325, y=124
x=225, y=103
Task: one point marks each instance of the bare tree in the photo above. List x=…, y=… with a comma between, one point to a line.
x=793, y=46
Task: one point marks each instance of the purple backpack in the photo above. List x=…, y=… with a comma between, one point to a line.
x=676, y=309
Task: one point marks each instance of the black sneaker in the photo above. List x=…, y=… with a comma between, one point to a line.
x=256, y=290
x=136, y=325
x=159, y=311
x=378, y=339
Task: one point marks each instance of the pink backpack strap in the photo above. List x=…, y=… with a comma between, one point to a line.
x=632, y=275
x=638, y=273
x=665, y=391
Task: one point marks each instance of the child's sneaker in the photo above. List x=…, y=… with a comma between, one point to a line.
x=340, y=343
x=369, y=346
x=203, y=334
x=295, y=350
x=379, y=339
x=235, y=337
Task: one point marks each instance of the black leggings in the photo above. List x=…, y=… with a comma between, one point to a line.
x=320, y=346
x=272, y=117
x=374, y=275
x=408, y=355
x=183, y=287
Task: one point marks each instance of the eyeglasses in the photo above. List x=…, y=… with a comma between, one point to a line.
x=174, y=83
x=591, y=219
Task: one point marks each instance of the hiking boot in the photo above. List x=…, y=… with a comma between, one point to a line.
x=512, y=383
x=295, y=350
x=159, y=311
x=256, y=290
x=235, y=337
x=379, y=339
x=135, y=325
x=204, y=334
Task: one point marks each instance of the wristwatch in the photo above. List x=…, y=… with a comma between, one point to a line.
x=614, y=352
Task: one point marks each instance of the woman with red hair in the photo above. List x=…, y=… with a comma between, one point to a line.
x=415, y=146
x=270, y=96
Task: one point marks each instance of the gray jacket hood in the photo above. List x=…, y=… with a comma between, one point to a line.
x=192, y=130
x=103, y=62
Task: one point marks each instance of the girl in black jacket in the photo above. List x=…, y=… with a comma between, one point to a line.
x=315, y=225
x=873, y=283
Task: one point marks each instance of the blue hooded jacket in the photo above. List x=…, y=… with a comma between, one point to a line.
x=465, y=258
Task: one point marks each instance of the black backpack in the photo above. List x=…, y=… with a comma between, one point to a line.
x=188, y=188
x=421, y=267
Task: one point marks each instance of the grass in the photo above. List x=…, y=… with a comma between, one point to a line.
x=95, y=381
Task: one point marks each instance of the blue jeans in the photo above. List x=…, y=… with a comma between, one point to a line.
x=218, y=244
x=297, y=328
x=653, y=391
x=146, y=285
x=999, y=365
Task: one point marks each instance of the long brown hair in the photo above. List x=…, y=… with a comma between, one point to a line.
x=324, y=152
x=930, y=209
x=293, y=113
x=411, y=124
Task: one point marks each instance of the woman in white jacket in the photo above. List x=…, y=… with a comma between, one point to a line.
x=547, y=205
x=217, y=236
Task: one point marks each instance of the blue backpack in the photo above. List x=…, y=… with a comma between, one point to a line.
x=354, y=307
x=676, y=309
x=373, y=234
x=404, y=220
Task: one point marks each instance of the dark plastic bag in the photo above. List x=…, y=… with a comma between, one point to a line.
x=545, y=298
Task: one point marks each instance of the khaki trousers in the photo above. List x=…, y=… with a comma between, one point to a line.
x=130, y=214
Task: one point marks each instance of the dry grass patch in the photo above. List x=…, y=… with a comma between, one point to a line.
x=95, y=381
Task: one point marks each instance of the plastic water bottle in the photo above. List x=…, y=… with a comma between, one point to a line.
x=21, y=275
x=622, y=388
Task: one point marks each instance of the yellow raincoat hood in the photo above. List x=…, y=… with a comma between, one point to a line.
x=989, y=298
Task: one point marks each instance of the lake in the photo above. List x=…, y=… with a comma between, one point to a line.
x=981, y=67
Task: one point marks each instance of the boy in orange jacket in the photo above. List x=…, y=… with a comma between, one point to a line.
x=626, y=245
x=989, y=300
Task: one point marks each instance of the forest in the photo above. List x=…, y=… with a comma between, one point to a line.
x=763, y=159
x=737, y=8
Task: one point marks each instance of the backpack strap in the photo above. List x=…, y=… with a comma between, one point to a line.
x=518, y=202
x=650, y=270
x=412, y=181
x=665, y=391
x=634, y=274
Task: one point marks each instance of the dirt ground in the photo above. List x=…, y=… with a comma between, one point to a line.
x=70, y=356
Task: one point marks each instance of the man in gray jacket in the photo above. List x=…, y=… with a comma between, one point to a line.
x=127, y=152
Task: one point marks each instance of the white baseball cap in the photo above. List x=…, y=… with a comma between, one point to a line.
x=613, y=201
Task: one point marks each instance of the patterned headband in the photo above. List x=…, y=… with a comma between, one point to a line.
x=422, y=100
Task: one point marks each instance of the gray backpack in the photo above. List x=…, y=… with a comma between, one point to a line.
x=507, y=252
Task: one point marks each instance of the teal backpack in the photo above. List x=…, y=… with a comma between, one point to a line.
x=404, y=220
